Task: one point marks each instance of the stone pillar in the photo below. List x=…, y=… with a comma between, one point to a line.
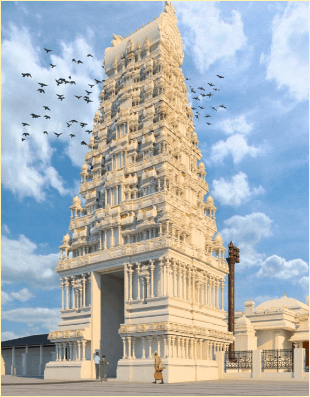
x=133, y=347
x=165, y=346
x=143, y=346
x=64, y=358
x=222, y=294
x=158, y=345
x=105, y=240
x=189, y=295
x=62, y=294
x=84, y=290
x=124, y=348
x=126, y=291
x=175, y=286
x=209, y=288
x=112, y=238
x=130, y=271
x=120, y=238
x=13, y=366
x=84, y=349
x=150, y=346
x=161, y=278
x=217, y=294
x=67, y=292
x=129, y=347
x=169, y=346
x=257, y=364
x=138, y=280
x=200, y=348
x=180, y=284
x=152, y=267
x=299, y=363
x=70, y=351
x=195, y=349
x=172, y=354
x=79, y=349
x=41, y=368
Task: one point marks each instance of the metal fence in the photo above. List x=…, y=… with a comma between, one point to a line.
x=238, y=360
x=278, y=359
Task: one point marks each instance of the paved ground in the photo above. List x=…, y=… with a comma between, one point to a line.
x=39, y=387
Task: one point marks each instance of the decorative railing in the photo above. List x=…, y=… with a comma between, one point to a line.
x=238, y=360
x=278, y=359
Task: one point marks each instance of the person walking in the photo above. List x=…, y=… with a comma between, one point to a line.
x=159, y=367
x=97, y=361
x=103, y=369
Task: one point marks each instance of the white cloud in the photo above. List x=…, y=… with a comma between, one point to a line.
x=5, y=298
x=277, y=267
x=288, y=62
x=26, y=166
x=209, y=36
x=23, y=295
x=245, y=232
x=47, y=318
x=304, y=282
x=239, y=124
x=234, y=192
x=19, y=262
x=6, y=229
x=8, y=335
x=236, y=146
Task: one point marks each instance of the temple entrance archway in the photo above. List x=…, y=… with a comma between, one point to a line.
x=112, y=315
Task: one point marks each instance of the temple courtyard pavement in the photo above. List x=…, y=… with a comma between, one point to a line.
x=18, y=386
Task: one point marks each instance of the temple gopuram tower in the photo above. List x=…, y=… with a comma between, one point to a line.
x=143, y=269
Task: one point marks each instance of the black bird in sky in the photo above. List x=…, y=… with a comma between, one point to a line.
x=58, y=135
x=73, y=60
x=23, y=139
x=209, y=95
x=207, y=115
x=26, y=75
x=89, y=55
x=88, y=92
x=73, y=121
x=222, y=106
x=25, y=134
x=83, y=143
x=24, y=124
x=68, y=125
x=47, y=117
x=201, y=107
x=208, y=123
x=98, y=81
x=197, y=99
x=211, y=84
x=88, y=131
x=201, y=88
x=41, y=90
x=215, y=89
x=46, y=108
x=78, y=97
x=186, y=78
x=86, y=97
x=203, y=95
x=34, y=116
x=52, y=66
x=58, y=82
x=83, y=124
x=212, y=107
x=192, y=90
x=197, y=117
x=45, y=132
x=47, y=51
x=194, y=108
x=220, y=77
x=72, y=135
x=72, y=82
x=42, y=85
x=69, y=77
x=88, y=100
x=91, y=85
x=61, y=97
x=79, y=61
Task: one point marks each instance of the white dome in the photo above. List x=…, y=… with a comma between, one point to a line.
x=85, y=168
x=194, y=136
x=284, y=301
x=201, y=166
x=66, y=238
x=76, y=200
x=218, y=239
x=209, y=200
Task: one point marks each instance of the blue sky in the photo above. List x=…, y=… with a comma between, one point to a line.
x=255, y=151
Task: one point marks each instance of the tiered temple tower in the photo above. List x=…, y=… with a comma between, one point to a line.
x=144, y=269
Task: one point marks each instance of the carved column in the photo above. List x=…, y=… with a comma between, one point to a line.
x=161, y=278
x=158, y=345
x=130, y=271
x=217, y=293
x=84, y=290
x=165, y=346
x=124, y=347
x=129, y=347
x=133, y=347
x=152, y=267
x=138, y=280
x=62, y=294
x=180, y=284
x=71, y=352
x=67, y=292
x=105, y=240
x=184, y=282
x=175, y=285
x=143, y=346
x=112, y=238
x=189, y=295
x=169, y=346
x=200, y=348
x=100, y=240
x=209, y=291
x=84, y=349
x=150, y=345
x=222, y=294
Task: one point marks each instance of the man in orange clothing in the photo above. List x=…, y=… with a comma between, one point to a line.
x=158, y=375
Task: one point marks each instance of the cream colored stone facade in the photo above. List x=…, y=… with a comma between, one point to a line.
x=144, y=269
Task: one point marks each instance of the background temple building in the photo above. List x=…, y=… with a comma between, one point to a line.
x=142, y=271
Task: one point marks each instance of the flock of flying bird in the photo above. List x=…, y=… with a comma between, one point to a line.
x=203, y=95
x=86, y=98
x=61, y=97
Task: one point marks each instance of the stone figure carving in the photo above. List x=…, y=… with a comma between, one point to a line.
x=116, y=39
